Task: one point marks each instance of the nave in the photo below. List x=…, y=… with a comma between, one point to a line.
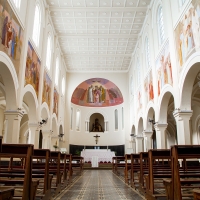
x=98, y=184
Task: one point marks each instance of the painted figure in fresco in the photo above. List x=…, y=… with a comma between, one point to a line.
x=4, y=31
x=96, y=95
x=151, y=95
x=90, y=94
x=9, y=34
x=195, y=28
x=169, y=69
x=96, y=127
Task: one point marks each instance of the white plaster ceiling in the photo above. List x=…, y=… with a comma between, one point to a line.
x=98, y=35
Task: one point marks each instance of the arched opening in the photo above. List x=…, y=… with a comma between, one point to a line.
x=96, y=123
x=150, y=128
x=24, y=129
x=40, y=139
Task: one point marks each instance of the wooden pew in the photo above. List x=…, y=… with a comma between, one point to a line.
x=127, y=169
x=41, y=169
x=182, y=178
x=196, y=193
x=69, y=167
x=135, y=167
x=28, y=185
x=77, y=164
x=143, y=169
x=5, y=192
x=159, y=167
x=54, y=168
x=114, y=163
x=64, y=168
x=119, y=164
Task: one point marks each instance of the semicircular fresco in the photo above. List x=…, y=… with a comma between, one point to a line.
x=97, y=92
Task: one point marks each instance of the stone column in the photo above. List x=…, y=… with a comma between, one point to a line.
x=183, y=125
x=12, y=129
x=139, y=144
x=86, y=128
x=46, y=139
x=148, y=135
x=161, y=135
x=34, y=135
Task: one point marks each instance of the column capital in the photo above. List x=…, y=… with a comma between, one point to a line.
x=33, y=124
x=139, y=138
x=182, y=114
x=17, y=113
x=147, y=133
x=159, y=126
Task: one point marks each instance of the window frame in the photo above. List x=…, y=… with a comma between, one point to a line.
x=160, y=25
x=57, y=71
x=17, y=3
x=49, y=51
x=37, y=25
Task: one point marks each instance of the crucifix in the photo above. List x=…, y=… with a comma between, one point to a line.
x=96, y=138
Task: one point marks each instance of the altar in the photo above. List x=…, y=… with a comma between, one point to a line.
x=104, y=155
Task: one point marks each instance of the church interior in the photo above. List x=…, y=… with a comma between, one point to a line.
x=100, y=99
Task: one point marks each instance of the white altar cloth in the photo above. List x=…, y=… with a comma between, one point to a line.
x=95, y=161
x=102, y=154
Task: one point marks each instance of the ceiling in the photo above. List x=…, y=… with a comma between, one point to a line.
x=98, y=35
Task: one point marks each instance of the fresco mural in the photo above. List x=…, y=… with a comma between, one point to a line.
x=139, y=99
x=148, y=88
x=46, y=94
x=33, y=65
x=97, y=92
x=164, y=69
x=187, y=33
x=11, y=34
x=55, y=102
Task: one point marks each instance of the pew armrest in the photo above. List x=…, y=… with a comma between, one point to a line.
x=168, y=188
x=196, y=193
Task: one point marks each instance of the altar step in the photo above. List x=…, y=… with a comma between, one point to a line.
x=101, y=166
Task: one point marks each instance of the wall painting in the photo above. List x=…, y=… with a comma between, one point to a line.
x=55, y=102
x=33, y=65
x=164, y=69
x=139, y=99
x=11, y=34
x=46, y=94
x=187, y=33
x=148, y=88
x=97, y=92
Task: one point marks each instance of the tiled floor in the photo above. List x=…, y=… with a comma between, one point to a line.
x=98, y=184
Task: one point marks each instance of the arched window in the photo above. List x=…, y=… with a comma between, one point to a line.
x=78, y=120
x=138, y=72
x=48, y=55
x=36, y=25
x=161, y=31
x=116, y=119
x=147, y=52
x=181, y=2
x=57, y=71
x=17, y=3
x=63, y=86
x=122, y=118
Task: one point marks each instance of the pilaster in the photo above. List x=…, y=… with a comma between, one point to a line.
x=182, y=118
x=12, y=125
x=161, y=135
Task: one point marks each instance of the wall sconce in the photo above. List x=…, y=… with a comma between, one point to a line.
x=61, y=136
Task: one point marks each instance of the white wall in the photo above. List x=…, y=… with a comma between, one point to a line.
x=111, y=137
